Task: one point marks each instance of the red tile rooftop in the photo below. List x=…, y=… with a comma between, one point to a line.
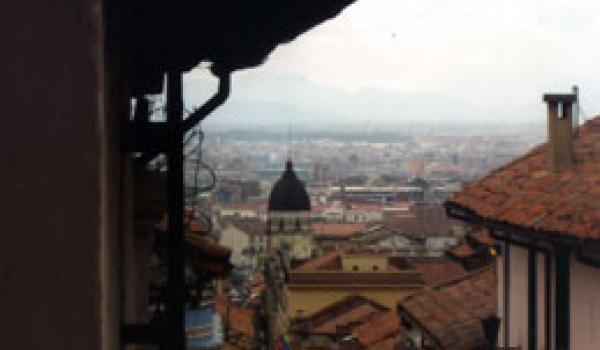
x=206, y=254
x=351, y=278
x=461, y=250
x=482, y=236
x=250, y=226
x=342, y=315
x=530, y=196
x=382, y=332
x=327, y=270
x=337, y=230
x=328, y=261
x=240, y=319
x=190, y=223
x=450, y=314
x=359, y=314
x=366, y=207
x=259, y=206
x=426, y=220
x=437, y=271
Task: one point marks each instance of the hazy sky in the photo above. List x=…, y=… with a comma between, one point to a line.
x=430, y=59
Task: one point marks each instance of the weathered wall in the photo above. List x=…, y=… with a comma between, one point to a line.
x=59, y=173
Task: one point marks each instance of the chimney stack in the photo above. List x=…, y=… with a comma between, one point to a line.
x=560, y=129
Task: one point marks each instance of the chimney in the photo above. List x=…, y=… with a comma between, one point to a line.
x=560, y=130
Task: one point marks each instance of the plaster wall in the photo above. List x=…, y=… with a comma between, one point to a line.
x=585, y=306
x=518, y=296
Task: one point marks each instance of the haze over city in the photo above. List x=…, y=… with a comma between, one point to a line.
x=389, y=61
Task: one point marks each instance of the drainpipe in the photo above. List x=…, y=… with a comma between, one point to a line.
x=176, y=129
x=213, y=103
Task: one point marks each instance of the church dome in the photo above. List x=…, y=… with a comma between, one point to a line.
x=289, y=193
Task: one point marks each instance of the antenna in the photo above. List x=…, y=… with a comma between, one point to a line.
x=290, y=146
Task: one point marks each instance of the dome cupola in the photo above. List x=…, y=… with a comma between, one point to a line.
x=289, y=193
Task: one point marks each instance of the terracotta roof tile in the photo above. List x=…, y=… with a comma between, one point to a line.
x=205, y=254
x=258, y=206
x=381, y=332
x=327, y=269
x=345, y=314
x=461, y=250
x=426, y=220
x=328, y=261
x=528, y=194
x=339, y=230
x=255, y=227
x=411, y=278
x=451, y=313
x=240, y=319
x=190, y=223
x=367, y=207
x=436, y=271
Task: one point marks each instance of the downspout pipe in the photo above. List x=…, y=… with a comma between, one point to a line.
x=209, y=106
x=197, y=115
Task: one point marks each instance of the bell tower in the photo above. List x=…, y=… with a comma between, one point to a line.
x=289, y=220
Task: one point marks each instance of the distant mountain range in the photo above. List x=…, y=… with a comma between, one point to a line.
x=282, y=101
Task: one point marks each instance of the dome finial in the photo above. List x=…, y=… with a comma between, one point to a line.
x=289, y=166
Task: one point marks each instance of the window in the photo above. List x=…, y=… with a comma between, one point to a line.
x=355, y=268
x=375, y=268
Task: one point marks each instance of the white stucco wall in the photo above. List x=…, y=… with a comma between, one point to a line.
x=585, y=306
x=518, y=297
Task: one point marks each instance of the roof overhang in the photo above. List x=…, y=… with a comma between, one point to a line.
x=229, y=34
x=541, y=240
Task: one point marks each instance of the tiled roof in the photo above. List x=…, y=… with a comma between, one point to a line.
x=337, y=230
x=258, y=206
x=327, y=269
x=477, y=243
x=329, y=261
x=427, y=220
x=346, y=313
x=250, y=226
x=528, y=194
x=343, y=315
x=374, y=236
x=461, y=250
x=481, y=236
x=190, y=223
x=406, y=278
x=435, y=271
x=206, y=254
x=381, y=332
x=240, y=319
x=366, y=207
x=451, y=313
